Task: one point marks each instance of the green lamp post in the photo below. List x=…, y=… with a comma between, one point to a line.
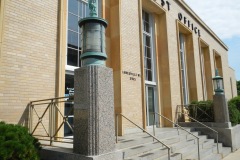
x=93, y=37
x=218, y=83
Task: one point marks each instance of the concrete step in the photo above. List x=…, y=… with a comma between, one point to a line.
x=203, y=153
x=141, y=149
x=191, y=150
x=145, y=147
x=175, y=143
x=141, y=146
x=153, y=154
x=226, y=151
x=212, y=156
x=169, y=137
x=175, y=156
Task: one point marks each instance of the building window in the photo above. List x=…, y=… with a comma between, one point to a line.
x=77, y=9
x=149, y=68
x=202, y=62
x=183, y=69
x=148, y=48
x=218, y=63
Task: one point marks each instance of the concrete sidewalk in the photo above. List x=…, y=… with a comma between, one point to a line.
x=233, y=156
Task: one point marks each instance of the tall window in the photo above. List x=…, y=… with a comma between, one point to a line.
x=202, y=60
x=148, y=48
x=183, y=69
x=149, y=68
x=77, y=9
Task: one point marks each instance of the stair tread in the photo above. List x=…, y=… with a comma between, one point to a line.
x=141, y=146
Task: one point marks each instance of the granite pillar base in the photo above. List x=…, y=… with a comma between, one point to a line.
x=221, y=114
x=94, y=131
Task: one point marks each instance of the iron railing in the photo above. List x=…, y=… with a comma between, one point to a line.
x=202, y=112
x=154, y=120
x=44, y=117
x=117, y=115
x=180, y=111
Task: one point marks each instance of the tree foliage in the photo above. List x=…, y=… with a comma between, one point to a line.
x=234, y=110
x=17, y=144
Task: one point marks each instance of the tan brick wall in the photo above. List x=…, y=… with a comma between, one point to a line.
x=131, y=62
x=28, y=55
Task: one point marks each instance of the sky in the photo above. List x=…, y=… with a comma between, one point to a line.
x=223, y=17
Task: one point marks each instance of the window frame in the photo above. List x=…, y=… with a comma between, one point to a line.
x=152, y=49
x=183, y=69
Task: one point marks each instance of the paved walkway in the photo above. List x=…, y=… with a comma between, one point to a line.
x=233, y=156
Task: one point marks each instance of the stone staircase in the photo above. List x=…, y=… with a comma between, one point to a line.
x=140, y=146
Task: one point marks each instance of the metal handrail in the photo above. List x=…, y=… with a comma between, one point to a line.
x=202, y=125
x=154, y=113
x=49, y=99
x=198, y=108
x=52, y=109
x=142, y=130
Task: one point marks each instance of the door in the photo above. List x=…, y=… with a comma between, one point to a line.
x=151, y=104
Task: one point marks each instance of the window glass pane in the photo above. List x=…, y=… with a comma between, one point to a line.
x=148, y=52
x=149, y=63
x=72, y=22
x=146, y=27
x=148, y=41
x=80, y=10
x=69, y=82
x=72, y=39
x=149, y=77
x=146, y=17
x=73, y=6
x=72, y=57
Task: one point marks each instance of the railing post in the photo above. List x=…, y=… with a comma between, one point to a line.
x=177, y=120
x=217, y=144
x=30, y=118
x=168, y=153
x=154, y=124
x=51, y=122
x=198, y=148
x=116, y=128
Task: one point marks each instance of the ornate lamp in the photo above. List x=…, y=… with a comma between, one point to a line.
x=93, y=37
x=218, y=83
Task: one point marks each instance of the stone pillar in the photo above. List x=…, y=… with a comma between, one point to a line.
x=221, y=114
x=94, y=130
